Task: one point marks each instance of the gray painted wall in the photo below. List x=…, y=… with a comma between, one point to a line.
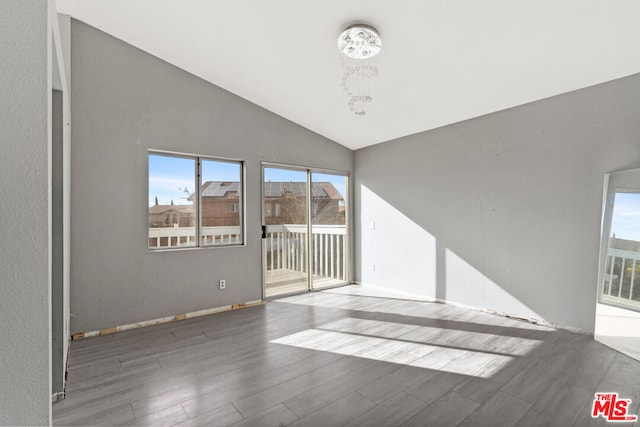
x=124, y=103
x=58, y=339
x=62, y=168
x=25, y=347
x=500, y=212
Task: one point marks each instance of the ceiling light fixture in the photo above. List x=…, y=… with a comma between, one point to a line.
x=360, y=42
x=359, y=45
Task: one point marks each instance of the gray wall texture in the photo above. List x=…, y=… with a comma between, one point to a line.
x=25, y=348
x=510, y=204
x=58, y=339
x=125, y=102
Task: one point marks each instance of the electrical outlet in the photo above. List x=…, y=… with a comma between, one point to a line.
x=223, y=283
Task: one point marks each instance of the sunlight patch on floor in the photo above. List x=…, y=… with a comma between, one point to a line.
x=450, y=350
x=466, y=362
x=458, y=338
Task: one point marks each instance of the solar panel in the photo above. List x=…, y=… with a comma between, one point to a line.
x=296, y=188
x=318, y=191
x=216, y=189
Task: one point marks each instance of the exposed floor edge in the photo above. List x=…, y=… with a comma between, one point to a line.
x=532, y=320
x=535, y=321
x=167, y=319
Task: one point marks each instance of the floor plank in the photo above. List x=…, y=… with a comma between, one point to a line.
x=449, y=410
x=219, y=417
x=337, y=413
x=392, y=412
x=500, y=410
x=277, y=416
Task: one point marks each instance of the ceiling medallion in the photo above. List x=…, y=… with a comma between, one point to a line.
x=359, y=45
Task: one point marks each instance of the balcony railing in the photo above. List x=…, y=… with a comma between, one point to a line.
x=180, y=237
x=285, y=246
x=621, y=278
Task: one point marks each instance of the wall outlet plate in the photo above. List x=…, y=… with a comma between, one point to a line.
x=223, y=284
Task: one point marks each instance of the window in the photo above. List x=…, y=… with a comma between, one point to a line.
x=194, y=201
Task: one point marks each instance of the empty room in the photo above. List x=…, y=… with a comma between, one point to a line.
x=320, y=213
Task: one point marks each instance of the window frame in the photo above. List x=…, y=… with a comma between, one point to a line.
x=198, y=200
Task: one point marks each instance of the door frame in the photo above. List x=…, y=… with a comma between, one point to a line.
x=610, y=316
x=348, y=222
x=611, y=188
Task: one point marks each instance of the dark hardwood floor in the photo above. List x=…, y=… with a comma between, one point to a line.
x=343, y=357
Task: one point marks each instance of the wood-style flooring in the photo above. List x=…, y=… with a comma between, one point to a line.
x=344, y=356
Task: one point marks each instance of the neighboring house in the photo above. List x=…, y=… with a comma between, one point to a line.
x=220, y=207
x=285, y=203
x=220, y=203
x=170, y=216
x=628, y=245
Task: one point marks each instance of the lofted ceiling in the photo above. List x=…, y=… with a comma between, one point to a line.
x=441, y=62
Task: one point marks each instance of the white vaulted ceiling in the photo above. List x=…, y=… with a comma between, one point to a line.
x=441, y=62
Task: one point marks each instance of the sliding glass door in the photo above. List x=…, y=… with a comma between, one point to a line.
x=329, y=229
x=285, y=224
x=298, y=203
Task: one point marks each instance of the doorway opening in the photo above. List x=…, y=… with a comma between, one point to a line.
x=618, y=307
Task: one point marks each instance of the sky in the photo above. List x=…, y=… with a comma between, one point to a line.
x=169, y=177
x=625, y=222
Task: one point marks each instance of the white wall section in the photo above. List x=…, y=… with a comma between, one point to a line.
x=384, y=226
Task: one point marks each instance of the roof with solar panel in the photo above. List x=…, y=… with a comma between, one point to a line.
x=220, y=188
x=225, y=189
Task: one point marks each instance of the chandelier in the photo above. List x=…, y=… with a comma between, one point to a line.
x=359, y=45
